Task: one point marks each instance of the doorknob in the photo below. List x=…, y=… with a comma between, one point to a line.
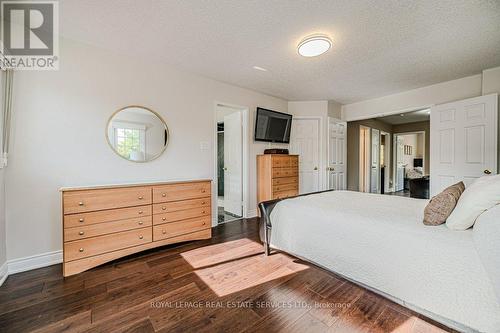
x=331, y=169
x=225, y=169
x=315, y=168
x=487, y=172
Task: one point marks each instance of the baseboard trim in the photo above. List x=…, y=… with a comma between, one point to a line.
x=34, y=262
x=4, y=273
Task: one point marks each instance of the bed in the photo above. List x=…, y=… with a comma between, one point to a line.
x=380, y=242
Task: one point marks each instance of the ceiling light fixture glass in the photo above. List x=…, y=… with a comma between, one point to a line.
x=313, y=46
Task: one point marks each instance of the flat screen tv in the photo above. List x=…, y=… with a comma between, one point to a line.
x=272, y=126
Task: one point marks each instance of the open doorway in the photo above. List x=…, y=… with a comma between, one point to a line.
x=409, y=160
x=385, y=162
x=230, y=162
x=391, y=154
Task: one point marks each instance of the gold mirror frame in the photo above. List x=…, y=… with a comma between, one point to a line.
x=139, y=107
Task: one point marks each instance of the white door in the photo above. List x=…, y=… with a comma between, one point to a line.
x=304, y=141
x=375, y=161
x=337, y=154
x=233, y=185
x=463, y=141
x=400, y=167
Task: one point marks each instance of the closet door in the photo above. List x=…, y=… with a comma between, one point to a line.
x=233, y=164
x=463, y=141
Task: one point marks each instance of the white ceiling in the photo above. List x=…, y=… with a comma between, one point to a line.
x=408, y=117
x=380, y=47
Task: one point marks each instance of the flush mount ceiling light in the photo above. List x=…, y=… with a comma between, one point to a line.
x=313, y=46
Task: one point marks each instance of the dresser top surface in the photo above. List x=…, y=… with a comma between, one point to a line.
x=119, y=185
x=277, y=155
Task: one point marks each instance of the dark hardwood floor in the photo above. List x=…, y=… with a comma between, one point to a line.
x=224, y=284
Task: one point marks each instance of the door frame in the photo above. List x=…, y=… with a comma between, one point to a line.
x=321, y=175
x=244, y=159
x=327, y=174
x=364, y=171
x=395, y=158
x=387, y=160
x=371, y=160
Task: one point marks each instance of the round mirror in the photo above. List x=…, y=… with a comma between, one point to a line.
x=137, y=133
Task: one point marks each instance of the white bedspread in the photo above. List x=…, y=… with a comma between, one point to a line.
x=380, y=241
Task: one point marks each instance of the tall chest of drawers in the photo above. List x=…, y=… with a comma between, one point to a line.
x=277, y=176
x=104, y=223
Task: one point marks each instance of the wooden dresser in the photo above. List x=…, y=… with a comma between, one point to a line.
x=108, y=222
x=277, y=176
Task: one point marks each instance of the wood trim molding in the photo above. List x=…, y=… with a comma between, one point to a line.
x=35, y=261
x=4, y=272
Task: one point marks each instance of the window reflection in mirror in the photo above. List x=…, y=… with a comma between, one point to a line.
x=137, y=134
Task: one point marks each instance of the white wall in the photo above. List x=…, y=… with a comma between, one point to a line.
x=334, y=109
x=3, y=246
x=414, y=99
x=416, y=141
x=491, y=84
x=487, y=82
x=58, y=128
x=3, y=237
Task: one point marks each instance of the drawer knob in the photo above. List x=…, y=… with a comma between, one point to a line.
x=141, y=237
x=164, y=231
x=140, y=223
x=141, y=197
x=163, y=218
x=204, y=223
x=203, y=191
x=164, y=195
x=81, y=233
x=81, y=220
x=163, y=208
x=81, y=249
x=80, y=203
x=203, y=212
x=203, y=202
x=140, y=212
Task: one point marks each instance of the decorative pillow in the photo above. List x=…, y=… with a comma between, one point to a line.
x=441, y=206
x=481, y=195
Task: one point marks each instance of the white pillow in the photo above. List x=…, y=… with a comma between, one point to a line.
x=481, y=195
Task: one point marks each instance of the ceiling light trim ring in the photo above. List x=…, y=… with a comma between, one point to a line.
x=313, y=46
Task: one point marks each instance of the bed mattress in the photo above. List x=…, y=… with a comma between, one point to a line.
x=380, y=241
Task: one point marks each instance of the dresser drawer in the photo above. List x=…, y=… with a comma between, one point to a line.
x=82, y=232
x=169, y=230
x=286, y=187
x=92, y=200
x=181, y=215
x=285, y=180
x=107, y=243
x=104, y=216
x=177, y=192
x=285, y=194
x=180, y=205
x=281, y=161
x=284, y=172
